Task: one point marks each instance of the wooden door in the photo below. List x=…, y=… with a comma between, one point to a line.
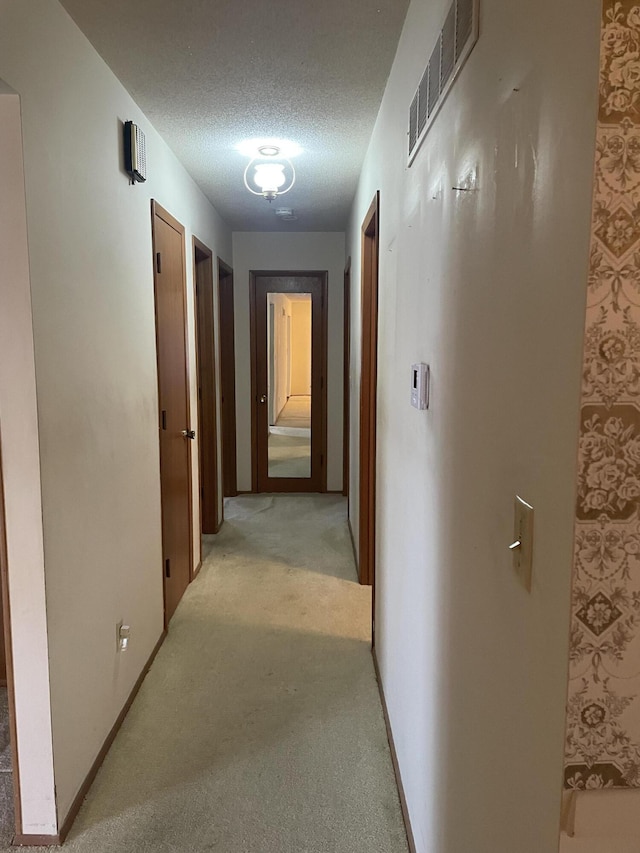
x=272, y=472
x=207, y=415
x=227, y=379
x=368, y=395
x=173, y=395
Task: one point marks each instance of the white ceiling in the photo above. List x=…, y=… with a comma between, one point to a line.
x=211, y=73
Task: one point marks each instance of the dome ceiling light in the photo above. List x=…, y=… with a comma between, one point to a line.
x=273, y=174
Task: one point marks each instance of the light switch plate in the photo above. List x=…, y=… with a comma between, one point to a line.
x=523, y=533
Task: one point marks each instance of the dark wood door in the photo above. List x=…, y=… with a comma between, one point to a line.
x=368, y=396
x=207, y=415
x=308, y=285
x=173, y=393
x=227, y=379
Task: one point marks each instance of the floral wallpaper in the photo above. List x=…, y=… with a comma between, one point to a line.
x=603, y=715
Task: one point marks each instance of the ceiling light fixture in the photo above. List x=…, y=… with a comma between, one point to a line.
x=269, y=175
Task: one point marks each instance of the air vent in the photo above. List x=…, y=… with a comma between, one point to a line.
x=464, y=25
x=448, y=51
x=434, y=78
x=453, y=45
x=413, y=122
x=421, y=95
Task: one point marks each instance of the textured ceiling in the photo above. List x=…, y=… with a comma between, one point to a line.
x=211, y=73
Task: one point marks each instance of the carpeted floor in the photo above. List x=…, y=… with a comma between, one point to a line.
x=7, y=819
x=289, y=456
x=259, y=727
x=296, y=412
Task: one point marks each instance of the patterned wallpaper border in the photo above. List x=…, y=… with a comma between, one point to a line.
x=603, y=712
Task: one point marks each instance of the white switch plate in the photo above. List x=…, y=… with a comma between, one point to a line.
x=420, y=386
x=523, y=533
x=123, y=635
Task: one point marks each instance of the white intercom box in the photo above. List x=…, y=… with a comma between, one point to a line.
x=420, y=386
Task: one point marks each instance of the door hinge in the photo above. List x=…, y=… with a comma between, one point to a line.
x=199, y=393
x=158, y=262
x=167, y=568
x=164, y=419
x=321, y=460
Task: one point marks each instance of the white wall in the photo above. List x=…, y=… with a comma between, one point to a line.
x=488, y=287
x=93, y=316
x=21, y=481
x=300, y=252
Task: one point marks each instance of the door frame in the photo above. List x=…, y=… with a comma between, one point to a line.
x=346, y=377
x=227, y=360
x=161, y=213
x=206, y=366
x=368, y=393
x=290, y=485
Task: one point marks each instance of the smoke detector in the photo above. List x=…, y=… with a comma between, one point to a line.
x=285, y=213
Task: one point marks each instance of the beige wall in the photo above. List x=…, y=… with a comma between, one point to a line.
x=289, y=251
x=488, y=287
x=21, y=482
x=93, y=318
x=301, y=347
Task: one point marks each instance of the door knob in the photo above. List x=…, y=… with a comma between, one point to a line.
x=189, y=433
x=263, y=399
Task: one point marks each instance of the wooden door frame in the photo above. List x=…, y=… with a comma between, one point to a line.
x=323, y=275
x=8, y=647
x=205, y=335
x=346, y=388
x=158, y=210
x=370, y=237
x=226, y=355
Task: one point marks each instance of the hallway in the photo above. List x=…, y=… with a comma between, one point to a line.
x=259, y=726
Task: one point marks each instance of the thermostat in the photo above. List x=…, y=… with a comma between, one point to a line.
x=420, y=386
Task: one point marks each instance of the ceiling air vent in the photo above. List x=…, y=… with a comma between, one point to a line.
x=453, y=45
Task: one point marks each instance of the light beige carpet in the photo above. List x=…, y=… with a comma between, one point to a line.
x=289, y=456
x=259, y=727
x=7, y=819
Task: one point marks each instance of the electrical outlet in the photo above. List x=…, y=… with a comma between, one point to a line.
x=522, y=546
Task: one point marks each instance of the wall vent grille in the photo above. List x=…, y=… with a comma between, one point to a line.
x=434, y=79
x=413, y=122
x=453, y=45
x=421, y=95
